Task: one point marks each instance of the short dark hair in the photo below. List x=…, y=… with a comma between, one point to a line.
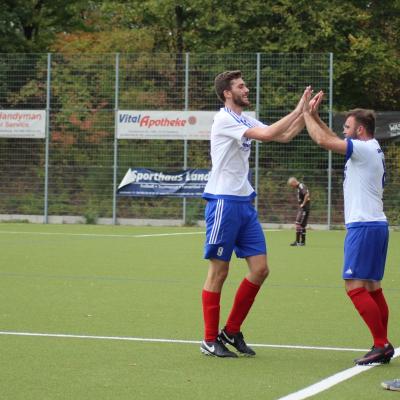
x=223, y=81
x=364, y=117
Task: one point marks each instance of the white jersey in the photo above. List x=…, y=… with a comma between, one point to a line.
x=364, y=181
x=230, y=151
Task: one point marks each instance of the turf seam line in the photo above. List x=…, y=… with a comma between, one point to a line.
x=330, y=381
x=157, y=340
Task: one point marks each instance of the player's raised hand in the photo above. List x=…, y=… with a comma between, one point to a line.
x=315, y=102
x=306, y=94
x=306, y=100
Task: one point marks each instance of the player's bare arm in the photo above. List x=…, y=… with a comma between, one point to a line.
x=314, y=106
x=318, y=130
x=299, y=124
x=294, y=129
x=275, y=131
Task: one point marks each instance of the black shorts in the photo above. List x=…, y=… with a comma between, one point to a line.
x=302, y=217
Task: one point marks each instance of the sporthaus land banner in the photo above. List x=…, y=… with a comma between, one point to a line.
x=147, y=182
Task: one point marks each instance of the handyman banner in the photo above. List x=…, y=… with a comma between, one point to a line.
x=190, y=125
x=23, y=124
x=147, y=182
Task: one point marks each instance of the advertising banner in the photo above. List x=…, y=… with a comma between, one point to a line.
x=23, y=124
x=147, y=182
x=190, y=125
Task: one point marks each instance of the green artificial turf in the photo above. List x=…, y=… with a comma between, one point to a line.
x=107, y=281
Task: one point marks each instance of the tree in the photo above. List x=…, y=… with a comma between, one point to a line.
x=30, y=26
x=363, y=35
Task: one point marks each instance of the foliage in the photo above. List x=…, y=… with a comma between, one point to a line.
x=364, y=36
x=114, y=41
x=30, y=26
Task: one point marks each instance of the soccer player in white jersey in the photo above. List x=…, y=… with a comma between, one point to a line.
x=231, y=220
x=367, y=236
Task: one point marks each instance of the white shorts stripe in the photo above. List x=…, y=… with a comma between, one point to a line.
x=215, y=228
x=217, y=221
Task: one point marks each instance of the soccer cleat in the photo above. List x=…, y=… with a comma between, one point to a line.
x=389, y=352
x=381, y=355
x=237, y=341
x=216, y=349
x=294, y=244
x=392, y=385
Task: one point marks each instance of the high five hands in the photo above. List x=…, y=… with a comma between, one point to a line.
x=311, y=105
x=308, y=103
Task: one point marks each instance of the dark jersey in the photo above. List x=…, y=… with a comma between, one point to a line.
x=302, y=190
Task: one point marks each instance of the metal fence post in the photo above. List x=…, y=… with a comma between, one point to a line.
x=114, y=210
x=329, y=221
x=47, y=142
x=185, y=142
x=257, y=159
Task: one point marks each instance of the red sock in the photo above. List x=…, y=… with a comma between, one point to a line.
x=211, y=309
x=380, y=301
x=244, y=299
x=370, y=313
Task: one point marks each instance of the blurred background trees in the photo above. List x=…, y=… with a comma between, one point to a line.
x=364, y=36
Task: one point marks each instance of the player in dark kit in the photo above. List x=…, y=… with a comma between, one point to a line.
x=303, y=198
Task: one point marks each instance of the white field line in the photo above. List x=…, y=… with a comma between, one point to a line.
x=299, y=395
x=114, y=235
x=139, y=339
x=330, y=381
x=101, y=234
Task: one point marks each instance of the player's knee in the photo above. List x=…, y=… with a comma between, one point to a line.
x=222, y=275
x=261, y=273
x=218, y=275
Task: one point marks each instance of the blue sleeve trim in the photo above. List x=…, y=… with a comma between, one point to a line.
x=349, y=150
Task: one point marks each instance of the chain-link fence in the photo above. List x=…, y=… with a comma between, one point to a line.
x=75, y=169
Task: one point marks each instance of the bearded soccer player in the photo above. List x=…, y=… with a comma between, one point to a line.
x=231, y=219
x=367, y=236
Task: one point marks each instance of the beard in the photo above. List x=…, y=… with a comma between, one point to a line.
x=351, y=135
x=240, y=101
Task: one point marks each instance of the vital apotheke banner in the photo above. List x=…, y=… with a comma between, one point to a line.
x=190, y=125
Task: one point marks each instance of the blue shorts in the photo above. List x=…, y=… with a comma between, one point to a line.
x=232, y=226
x=365, y=249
